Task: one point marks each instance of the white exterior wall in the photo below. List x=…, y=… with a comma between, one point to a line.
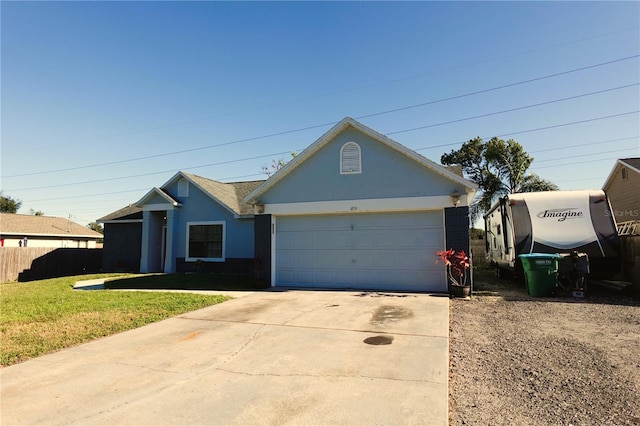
x=49, y=242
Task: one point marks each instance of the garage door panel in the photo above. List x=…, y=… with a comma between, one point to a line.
x=386, y=251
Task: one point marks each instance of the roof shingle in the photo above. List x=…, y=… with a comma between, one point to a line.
x=21, y=224
x=230, y=194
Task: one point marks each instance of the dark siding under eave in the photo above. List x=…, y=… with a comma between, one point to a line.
x=262, y=248
x=122, y=247
x=456, y=225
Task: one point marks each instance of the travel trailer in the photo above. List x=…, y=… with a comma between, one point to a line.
x=552, y=222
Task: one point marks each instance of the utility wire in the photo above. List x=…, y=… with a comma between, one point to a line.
x=533, y=167
x=538, y=129
x=530, y=152
x=584, y=155
x=577, y=162
x=275, y=154
x=583, y=144
x=330, y=123
x=496, y=88
x=535, y=161
x=512, y=109
x=285, y=152
x=151, y=173
x=336, y=92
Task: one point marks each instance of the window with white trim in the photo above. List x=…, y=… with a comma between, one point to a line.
x=350, y=159
x=205, y=240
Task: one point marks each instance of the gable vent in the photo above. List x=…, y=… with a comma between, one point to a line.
x=350, y=161
x=183, y=188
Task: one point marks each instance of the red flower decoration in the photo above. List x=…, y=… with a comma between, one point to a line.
x=456, y=262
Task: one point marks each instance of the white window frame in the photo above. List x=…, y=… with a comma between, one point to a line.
x=188, y=258
x=342, y=166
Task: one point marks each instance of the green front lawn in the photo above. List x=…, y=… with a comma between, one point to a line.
x=39, y=317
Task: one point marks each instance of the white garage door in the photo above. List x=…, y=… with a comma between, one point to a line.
x=391, y=251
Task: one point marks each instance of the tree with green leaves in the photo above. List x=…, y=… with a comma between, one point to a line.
x=498, y=167
x=95, y=226
x=9, y=205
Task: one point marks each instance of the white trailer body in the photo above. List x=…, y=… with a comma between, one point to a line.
x=553, y=222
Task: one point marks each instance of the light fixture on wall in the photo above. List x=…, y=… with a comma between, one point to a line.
x=455, y=198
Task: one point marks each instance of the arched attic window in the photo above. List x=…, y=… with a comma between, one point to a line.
x=183, y=188
x=350, y=159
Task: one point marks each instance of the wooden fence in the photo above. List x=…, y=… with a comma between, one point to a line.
x=631, y=260
x=35, y=263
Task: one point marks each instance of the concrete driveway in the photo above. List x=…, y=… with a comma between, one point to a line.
x=275, y=357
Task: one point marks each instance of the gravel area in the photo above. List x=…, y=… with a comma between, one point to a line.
x=519, y=360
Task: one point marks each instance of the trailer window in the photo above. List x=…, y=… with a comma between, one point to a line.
x=498, y=228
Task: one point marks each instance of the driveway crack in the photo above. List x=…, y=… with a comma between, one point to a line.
x=335, y=376
x=251, y=339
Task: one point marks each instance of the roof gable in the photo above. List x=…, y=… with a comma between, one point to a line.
x=632, y=164
x=26, y=225
x=229, y=195
x=342, y=126
x=155, y=195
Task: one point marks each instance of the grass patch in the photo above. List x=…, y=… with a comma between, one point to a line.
x=39, y=317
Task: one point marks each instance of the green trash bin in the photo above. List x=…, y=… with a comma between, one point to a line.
x=540, y=273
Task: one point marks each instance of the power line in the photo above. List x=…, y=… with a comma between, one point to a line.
x=258, y=174
x=600, y=178
x=585, y=155
x=496, y=88
x=285, y=152
x=530, y=152
x=151, y=173
x=512, y=109
x=571, y=123
x=583, y=144
x=364, y=86
x=358, y=118
x=577, y=162
x=537, y=129
x=85, y=196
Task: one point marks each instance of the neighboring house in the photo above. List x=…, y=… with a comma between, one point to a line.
x=358, y=210
x=353, y=210
x=123, y=240
x=19, y=230
x=623, y=189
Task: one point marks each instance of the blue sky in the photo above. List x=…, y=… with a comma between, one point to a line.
x=101, y=101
